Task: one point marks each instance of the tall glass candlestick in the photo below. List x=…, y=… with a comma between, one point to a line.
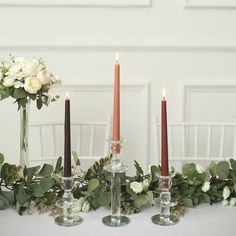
x=117, y=170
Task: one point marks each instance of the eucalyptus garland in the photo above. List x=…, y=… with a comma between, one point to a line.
x=39, y=186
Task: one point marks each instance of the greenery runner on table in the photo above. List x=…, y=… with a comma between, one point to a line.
x=40, y=186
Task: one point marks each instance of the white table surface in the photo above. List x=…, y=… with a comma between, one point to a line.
x=204, y=220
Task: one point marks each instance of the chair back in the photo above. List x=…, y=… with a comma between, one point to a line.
x=195, y=141
x=89, y=140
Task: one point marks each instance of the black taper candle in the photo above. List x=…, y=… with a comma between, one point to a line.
x=67, y=141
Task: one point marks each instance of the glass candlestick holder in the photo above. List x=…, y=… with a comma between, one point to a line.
x=117, y=170
x=165, y=217
x=68, y=204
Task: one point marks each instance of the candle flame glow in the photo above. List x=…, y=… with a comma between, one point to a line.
x=67, y=95
x=164, y=93
x=117, y=57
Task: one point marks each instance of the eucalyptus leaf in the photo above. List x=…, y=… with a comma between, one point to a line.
x=46, y=184
x=187, y=202
x=2, y=206
x=76, y=158
x=9, y=196
x=4, y=170
x=92, y=185
x=30, y=173
x=39, y=103
x=233, y=164
x=212, y=169
x=141, y=200
x=138, y=168
x=19, y=93
x=222, y=169
x=104, y=199
x=46, y=170
x=207, y=174
x=189, y=169
x=150, y=197
x=1, y=158
x=58, y=165
x=4, y=201
x=22, y=196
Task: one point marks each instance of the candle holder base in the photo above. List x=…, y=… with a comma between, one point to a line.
x=161, y=220
x=165, y=217
x=61, y=220
x=68, y=204
x=115, y=221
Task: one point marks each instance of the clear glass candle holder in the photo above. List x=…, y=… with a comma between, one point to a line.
x=116, y=169
x=68, y=204
x=165, y=217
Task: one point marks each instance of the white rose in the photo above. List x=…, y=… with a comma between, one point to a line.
x=226, y=192
x=199, y=168
x=146, y=183
x=206, y=186
x=30, y=67
x=8, y=81
x=18, y=84
x=232, y=201
x=136, y=187
x=15, y=72
x=44, y=77
x=225, y=203
x=32, y=85
x=86, y=207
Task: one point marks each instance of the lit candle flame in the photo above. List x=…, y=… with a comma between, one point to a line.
x=67, y=95
x=117, y=57
x=164, y=93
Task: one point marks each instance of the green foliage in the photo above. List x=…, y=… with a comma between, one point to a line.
x=222, y=169
x=42, y=186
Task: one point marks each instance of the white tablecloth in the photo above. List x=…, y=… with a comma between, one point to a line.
x=204, y=220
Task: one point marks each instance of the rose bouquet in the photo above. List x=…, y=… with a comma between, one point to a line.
x=24, y=80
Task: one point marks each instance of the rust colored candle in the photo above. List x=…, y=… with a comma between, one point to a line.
x=67, y=137
x=116, y=107
x=164, y=138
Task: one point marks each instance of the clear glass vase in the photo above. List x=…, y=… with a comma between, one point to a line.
x=24, y=127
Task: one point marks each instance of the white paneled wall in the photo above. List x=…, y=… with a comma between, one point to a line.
x=162, y=43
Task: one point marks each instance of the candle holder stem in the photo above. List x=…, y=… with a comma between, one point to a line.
x=68, y=204
x=117, y=170
x=165, y=217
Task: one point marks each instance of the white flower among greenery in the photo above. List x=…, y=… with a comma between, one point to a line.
x=232, y=201
x=206, y=186
x=136, y=187
x=146, y=183
x=226, y=192
x=26, y=79
x=199, y=168
x=225, y=202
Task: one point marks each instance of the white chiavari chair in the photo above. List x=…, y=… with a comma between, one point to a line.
x=50, y=136
x=195, y=141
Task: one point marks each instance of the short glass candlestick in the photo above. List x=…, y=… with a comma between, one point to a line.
x=68, y=204
x=117, y=170
x=165, y=217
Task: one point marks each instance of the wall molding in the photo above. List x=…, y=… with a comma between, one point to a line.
x=76, y=3
x=188, y=89
x=124, y=48
x=227, y=4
